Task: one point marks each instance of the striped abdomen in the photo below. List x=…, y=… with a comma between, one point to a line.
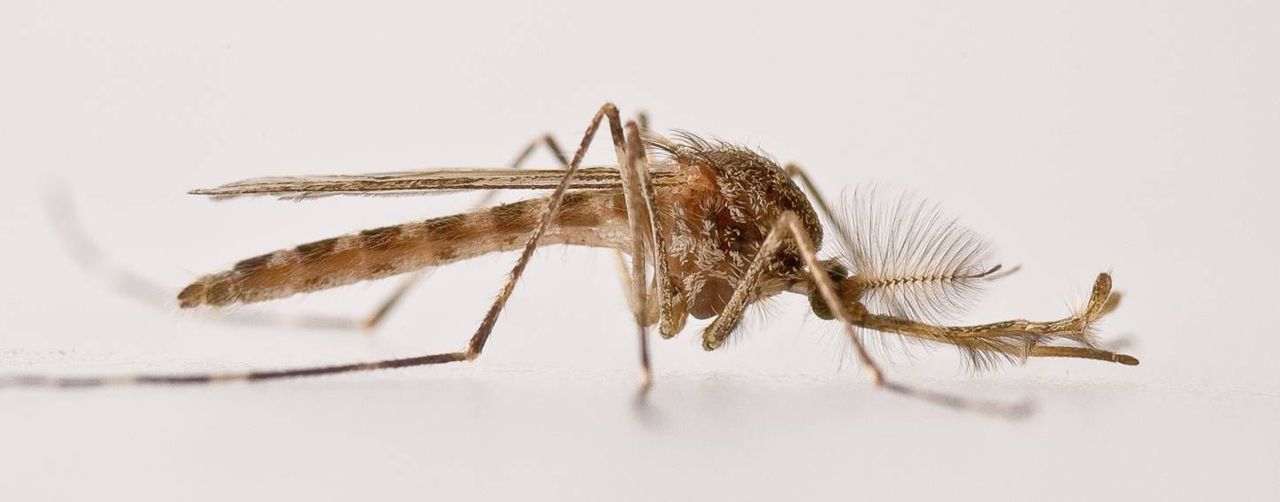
x=585, y=218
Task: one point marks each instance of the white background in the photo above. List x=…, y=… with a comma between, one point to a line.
x=1137, y=137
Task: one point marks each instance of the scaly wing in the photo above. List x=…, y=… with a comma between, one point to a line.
x=436, y=180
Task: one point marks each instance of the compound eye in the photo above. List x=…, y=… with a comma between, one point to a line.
x=837, y=273
x=819, y=306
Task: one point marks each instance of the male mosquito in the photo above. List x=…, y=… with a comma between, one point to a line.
x=710, y=228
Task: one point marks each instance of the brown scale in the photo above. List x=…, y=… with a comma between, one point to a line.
x=716, y=223
x=387, y=251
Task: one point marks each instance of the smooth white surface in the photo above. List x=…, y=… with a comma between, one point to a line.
x=1129, y=136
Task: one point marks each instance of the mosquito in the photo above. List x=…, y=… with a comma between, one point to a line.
x=710, y=229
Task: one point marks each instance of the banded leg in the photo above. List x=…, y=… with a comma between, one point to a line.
x=471, y=351
x=789, y=225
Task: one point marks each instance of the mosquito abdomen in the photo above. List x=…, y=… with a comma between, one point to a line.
x=386, y=251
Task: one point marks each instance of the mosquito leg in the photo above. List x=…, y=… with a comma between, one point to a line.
x=789, y=225
x=93, y=260
x=70, y=230
x=608, y=112
x=472, y=350
x=408, y=283
x=671, y=312
x=640, y=225
x=842, y=232
x=553, y=146
x=647, y=239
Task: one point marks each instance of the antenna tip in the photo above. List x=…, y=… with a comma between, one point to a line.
x=1126, y=359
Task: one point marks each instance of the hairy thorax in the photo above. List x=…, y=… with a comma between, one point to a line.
x=715, y=223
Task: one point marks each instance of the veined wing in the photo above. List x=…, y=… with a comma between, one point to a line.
x=435, y=180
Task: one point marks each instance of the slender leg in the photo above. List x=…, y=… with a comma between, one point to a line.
x=842, y=232
x=646, y=240
x=790, y=224
x=653, y=314
x=634, y=168
x=671, y=312
x=666, y=310
x=472, y=350
x=609, y=111
x=380, y=313
x=672, y=323
x=375, y=319
x=554, y=147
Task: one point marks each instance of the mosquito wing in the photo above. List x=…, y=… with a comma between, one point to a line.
x=426, y=181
